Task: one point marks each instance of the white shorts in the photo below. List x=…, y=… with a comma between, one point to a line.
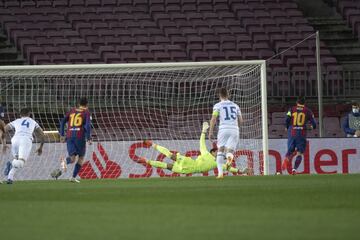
x=228, y=138
x=21, y=147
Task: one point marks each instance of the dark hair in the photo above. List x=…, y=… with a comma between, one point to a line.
x=25, y=112
x=83, y=102
x=301, y=100
x=223, y=93
x=213, y=150
x=357, y=104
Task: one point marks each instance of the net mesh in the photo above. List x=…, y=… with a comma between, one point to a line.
x=166, y=104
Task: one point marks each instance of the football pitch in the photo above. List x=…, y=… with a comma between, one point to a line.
x=271, y=207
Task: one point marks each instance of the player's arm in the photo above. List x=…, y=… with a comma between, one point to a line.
x=40, y=134
x=288, y=119
x=312, y=120
x=203, y=148
x=214, y=117
x=240, y=119
x=239, y=116
x=2, y=131
x=62, y=127
x=6, y=129
x=87, y=127
x=2, y=135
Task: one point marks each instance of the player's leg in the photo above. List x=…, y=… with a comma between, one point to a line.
x=289, y=153
x=300, y=144
x=156, y=164
x=159, y=148
x=16, y=165
x=163, y=150
x=15, y=153
x=66, y=161
x=220, y=157
x=230, y=169
x=24, y=150
x=230, y=146
x=71, y=158
x=80, y=150
x=77, y=169
x=72, y=153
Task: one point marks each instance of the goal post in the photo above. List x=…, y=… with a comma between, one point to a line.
x=165, y=102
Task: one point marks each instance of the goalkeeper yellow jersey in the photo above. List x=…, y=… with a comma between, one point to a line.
x=203, y=163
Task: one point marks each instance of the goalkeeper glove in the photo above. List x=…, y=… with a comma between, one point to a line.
x=205, y=127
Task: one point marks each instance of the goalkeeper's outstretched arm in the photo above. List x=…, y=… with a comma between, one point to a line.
x=203, y=148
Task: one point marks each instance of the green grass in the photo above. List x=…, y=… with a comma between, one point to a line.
x=272, y=207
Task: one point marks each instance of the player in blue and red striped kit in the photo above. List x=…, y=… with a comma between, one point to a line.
x=296, y=124
x=77, y=134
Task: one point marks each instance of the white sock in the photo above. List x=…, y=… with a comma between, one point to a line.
x=12, y=173
x=219, y=161
x=16, y=165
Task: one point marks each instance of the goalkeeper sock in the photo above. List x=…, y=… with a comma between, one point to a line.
x=297, y=162
x=163, y=150
x=219, y=162
x=157, y=164
x=76, y=170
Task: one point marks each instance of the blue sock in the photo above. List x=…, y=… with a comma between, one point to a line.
x=76, y=170
x=68, y=160
x=297, y=161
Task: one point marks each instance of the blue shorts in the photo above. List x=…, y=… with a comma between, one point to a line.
x=76, y=147
x=296, y=143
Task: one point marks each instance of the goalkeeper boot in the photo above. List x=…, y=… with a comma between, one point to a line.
x=220, y=176
x=74, y=180
x=7, y=168
x=148, y=143
x=293, y=172
x=9, y=181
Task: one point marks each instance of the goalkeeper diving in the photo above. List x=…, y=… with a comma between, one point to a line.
x=186, y=165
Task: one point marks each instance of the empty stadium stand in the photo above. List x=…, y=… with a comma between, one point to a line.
x=118, y=31
x=108, y=31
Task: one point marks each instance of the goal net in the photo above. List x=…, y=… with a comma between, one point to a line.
x=164, y=102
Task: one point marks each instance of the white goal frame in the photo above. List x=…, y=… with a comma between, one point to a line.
x=263, y=84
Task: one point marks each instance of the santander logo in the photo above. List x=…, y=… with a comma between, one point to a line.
x=108, y=170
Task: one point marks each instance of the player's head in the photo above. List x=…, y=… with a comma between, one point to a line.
x=83, y=102
x=25, y=112
x=213, y=151
x=300, y=101
x=355, y=107
x=223, y=94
